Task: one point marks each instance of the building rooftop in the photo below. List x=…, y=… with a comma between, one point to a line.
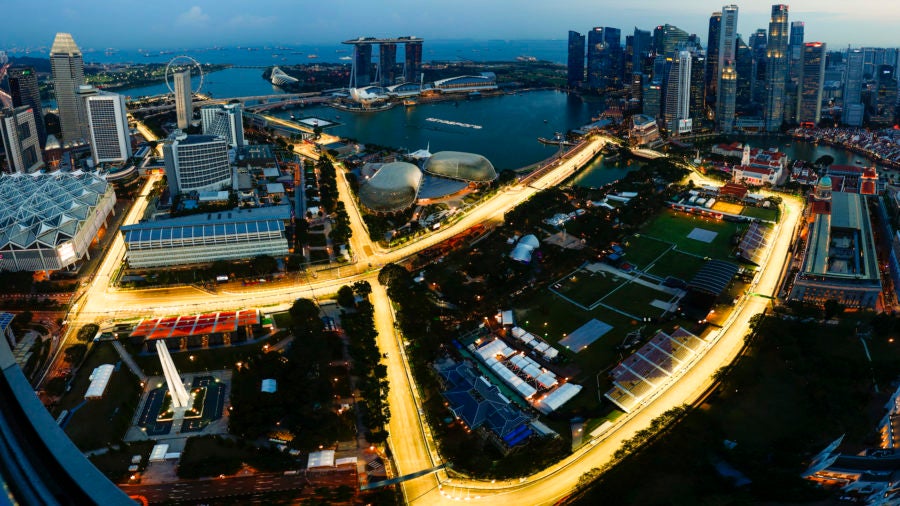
x=840, y=242
x=464, y=166
x=46, y=210
x=394, y=187
x=63, y=43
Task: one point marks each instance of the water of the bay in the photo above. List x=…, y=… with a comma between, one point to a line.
x=510, y=125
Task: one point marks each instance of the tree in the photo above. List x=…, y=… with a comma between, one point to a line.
x=345, y=297
x=362, y=288
x=87, y=333
x=832, y=308
x=75, y=353
x=23, y=319
x=305, y=315
x=824, y=161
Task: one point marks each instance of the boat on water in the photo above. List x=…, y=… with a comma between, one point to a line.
x=409, y=102
x=312, y=56
x=293, y=117
x=345, y=58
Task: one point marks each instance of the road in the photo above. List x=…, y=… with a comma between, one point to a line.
x=414, y=451
x=559, y=480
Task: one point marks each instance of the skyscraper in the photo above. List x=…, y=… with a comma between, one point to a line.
x=225, y=121
x=811, y=82
x=81, y=95
x=575, y=67
x=678, y=94
x=743, y=67
x=777, y=67
x=795, y=66
x=387, y=60
x=413, y=60
x=594, y=55
x=362, y=65
x=196, y=162
x=758, y=77
x=727, y=85
x=611, y=64
x=643, y=45
x=23, y=87
x=108, y=121
x=20, y=139
x=184, y=108
x=668, y=39
x=698, y=81
x=853, y=110
x=884, y=107
x=712, y=58
x=67, y=67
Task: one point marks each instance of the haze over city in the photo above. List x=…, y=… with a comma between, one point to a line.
x=202, y=23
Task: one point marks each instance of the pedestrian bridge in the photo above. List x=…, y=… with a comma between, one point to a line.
x=649, y=154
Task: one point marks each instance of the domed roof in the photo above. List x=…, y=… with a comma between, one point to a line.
x=457, y=165
x=52, y=143
x=825, y=182
x=393, y=188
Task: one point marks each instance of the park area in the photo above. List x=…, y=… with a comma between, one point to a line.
x=699, y=235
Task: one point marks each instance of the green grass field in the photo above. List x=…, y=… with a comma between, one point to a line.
x=640, y=250
x=761, y=213
x=586, y=288
x=635, y=299
x=677, y=264
x=674, y=227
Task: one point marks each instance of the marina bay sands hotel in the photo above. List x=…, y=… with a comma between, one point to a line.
x=387, y=71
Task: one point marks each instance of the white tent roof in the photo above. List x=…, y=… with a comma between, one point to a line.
x=99, y=379
x=158, y=453
x=269, y=386
x=558, y=397
x=324, y=458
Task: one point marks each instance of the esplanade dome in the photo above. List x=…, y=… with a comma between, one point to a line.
x=393, y=188
x=465, y=166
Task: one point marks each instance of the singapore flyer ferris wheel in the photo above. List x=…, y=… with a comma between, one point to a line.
x=180, y=63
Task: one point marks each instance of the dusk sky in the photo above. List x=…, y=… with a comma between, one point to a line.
x=129, y=24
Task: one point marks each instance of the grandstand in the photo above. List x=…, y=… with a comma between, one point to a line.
x=754, y=242
x=178, y=327
x=652, y=367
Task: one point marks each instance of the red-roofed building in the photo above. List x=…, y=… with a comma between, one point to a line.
x=734, y=150
x=183, y=331
x=734, y=191
x=756, y=176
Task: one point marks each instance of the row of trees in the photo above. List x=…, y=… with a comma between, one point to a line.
x=370, y=373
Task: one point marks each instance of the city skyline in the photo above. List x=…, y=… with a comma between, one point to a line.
x=201, y=22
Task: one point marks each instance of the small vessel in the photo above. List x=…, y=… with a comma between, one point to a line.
x=409, y=102
x=293, y=117
x=345, y=58
x=312, y=56
x=545, y=121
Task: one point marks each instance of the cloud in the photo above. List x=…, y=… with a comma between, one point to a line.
x=193, y=16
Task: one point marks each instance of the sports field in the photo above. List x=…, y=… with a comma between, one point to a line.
x=675, y=228
x=728, y=207
x=678, y=265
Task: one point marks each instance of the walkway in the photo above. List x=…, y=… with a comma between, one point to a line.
x=129, y=361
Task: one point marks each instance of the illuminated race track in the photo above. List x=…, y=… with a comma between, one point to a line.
x=411, y=443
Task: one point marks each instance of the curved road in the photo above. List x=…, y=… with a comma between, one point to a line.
x=411, y=441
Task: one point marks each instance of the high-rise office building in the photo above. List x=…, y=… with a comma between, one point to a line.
x=712, y=58
x=24, y=90
x=108, y=121
x=387, y=61
x=795, y=67
x=575, y=67
x=668, y=39
x=678, y=94
x=84, y=92
x=853, y=109
x=744, y=68
x=698, y=82
x=643, y=46
x=758, y=44
x=184, y=107
x=67, y=67
x=224, y=121
x=884, y=101
x=811, y=83
x=727, y=85
x=594, y=55
x=611, y=66
x=651, y=97
x=196, y=162
x=20, y=140
x=777, y=68
x=413, y=60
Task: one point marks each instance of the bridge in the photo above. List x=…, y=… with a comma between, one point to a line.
x=649, y=154
x=278, y=99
